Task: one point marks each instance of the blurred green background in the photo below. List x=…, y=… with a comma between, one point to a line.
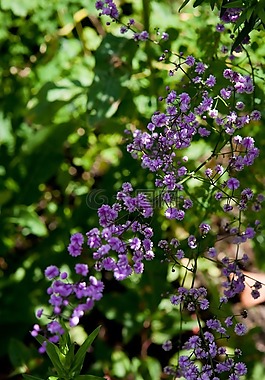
x=69, y=87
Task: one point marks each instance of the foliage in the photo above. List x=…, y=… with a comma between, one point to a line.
x=252, y=15
x=70, y=85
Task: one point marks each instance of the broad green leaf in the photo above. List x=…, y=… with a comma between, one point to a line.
x=28, y=219
x=19, y=7
x=108, y=90
x=54, y=355
x=81, y=353
x=153, y=367
x=39, y=159
x=18, y=353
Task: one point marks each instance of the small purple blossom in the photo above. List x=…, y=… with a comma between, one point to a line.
x=51, y=272
x=81, y=269
x=233, y=183
x=240, y=329
x=167, y=346
x=190, y=60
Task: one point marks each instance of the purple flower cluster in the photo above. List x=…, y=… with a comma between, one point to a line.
x=111, y=251
x=108, y=8
x=231, y=15
x=206, y=347
x=63, y=294
x=117, y=247
x=192, y=299
x=123, y=241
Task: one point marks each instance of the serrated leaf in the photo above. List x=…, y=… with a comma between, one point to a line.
x=184, y=4
x=54, y=355
x=81, y=353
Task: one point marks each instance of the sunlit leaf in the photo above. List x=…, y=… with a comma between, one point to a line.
x=82, y=351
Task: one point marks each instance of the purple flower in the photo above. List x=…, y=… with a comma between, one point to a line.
x=229, y=321
x=39, y=313
x=75, y=246
x=81, y=269
x=171, y=213
x=212, y=252
x=190, y=60
x=51, y=272
x=232, y=183
x=210, y=81
x=249, y=233
x=200, y=68
x=203, y=132
x=240, y=369
x=180, y=254
x=107, y=215
x=108, y=8
x=167, y=346
x=240, y=329
x=220, y=28
x=54, y=327
x=255, y=115
x=225, y=93
x=205, y=228
x=192, y=242
x=255, y=294
x=204, y=304
x=36, y=330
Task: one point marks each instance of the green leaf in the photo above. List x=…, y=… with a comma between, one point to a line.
x=107, y=91
x=184, y=4
x=54, y=355
x=197, y=3
x=240, y=20
x=212, y=4
x=28, y=219
x=30, y=377
x=81, y=353
x=65, y=339
x=88, y=377
x=261, y=13
x=234, y=4
x=18, y=353
x=19, y=7
x=248, y=26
